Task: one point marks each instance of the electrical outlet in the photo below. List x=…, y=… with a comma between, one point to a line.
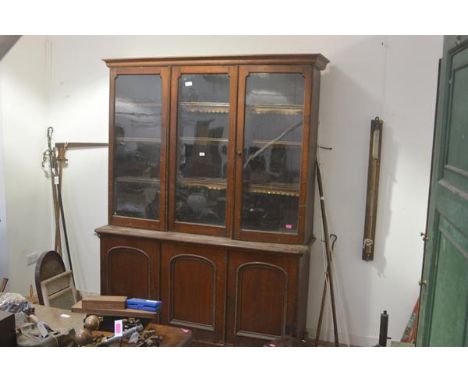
x=32, y=257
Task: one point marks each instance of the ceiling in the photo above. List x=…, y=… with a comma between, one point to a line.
x=6, y=42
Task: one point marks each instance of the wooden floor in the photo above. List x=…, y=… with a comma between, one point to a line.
x=284, y=342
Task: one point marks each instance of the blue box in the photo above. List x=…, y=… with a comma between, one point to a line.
x=142, y=304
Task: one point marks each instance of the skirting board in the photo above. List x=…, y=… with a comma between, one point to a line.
x=327, y=336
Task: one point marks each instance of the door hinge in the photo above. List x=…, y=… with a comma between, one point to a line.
x=424, y=236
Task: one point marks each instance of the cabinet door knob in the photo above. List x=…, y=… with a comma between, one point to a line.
x=239, y=153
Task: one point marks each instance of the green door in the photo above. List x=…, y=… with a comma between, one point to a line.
x=444, y=291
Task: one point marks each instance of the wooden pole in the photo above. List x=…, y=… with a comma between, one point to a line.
x=328, y=252
x=322, y=306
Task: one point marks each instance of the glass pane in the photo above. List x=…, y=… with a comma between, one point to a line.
x=137, y=145
x=202, y=139
x=272, y=151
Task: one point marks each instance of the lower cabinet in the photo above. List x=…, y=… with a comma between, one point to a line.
x=226, y=296
x=262, y=297
x=130, y=267
x=193, y=288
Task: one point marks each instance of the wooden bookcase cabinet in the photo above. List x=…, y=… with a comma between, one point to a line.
x=211, y=182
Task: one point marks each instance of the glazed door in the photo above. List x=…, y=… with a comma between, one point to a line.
x=130, y=267
x=444, y=292
x=273, y=135
x=138, y=118
x=202, y=149
x=262, y=297
x=193, y=289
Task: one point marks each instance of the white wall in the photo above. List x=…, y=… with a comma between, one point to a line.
x=4, y=258
x=392, y=77
x=24, y=113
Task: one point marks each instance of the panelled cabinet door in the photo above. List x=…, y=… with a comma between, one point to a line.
x=273, y=139
x=138, y=119
x=443, y=319
x=130, y=267
x=193, y=289
x=202, y=149
x=262, y=290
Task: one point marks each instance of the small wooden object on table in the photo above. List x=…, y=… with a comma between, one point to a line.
x=104, y=302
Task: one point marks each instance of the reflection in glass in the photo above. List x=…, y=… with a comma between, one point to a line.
x=137, y=135
x=272, y=151
x=202, y=133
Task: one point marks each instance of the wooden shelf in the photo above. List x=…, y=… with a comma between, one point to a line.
x=203, y=140
x=137, y=140
x=205, y=107
x=137, y=179
x=276, y=188
x=223, y=107
x=225, y=140
x=135, y=102
x=277, y=248
x=276, y=109
x=282, y=189
x=278, y=143
x=210, y=183
x=136, y=114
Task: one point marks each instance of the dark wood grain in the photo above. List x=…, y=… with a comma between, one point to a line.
x=262, y=291
x=130, y=267
x=193, y=289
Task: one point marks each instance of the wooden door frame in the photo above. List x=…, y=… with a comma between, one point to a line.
x=254, y=235
x=143, y=247
x=217, y=258
x=126, y=221
x=177, y=72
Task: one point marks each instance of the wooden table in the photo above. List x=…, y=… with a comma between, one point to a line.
x=59, y=318
x=172, y=337
x=65, y=319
